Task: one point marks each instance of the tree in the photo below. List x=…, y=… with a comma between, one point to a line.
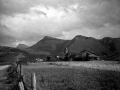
x=48, y=58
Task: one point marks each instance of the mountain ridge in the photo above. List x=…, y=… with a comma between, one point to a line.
x=104, y=46
x=22, y=46
x=49, y=45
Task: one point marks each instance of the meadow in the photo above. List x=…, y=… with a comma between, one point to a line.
x=3, y=76
x=53, y=77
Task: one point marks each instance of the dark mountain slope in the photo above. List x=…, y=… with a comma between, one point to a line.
x=80, y=43
x=8, y=54
x=49, y=45
x=22, y=46
x=112, y=44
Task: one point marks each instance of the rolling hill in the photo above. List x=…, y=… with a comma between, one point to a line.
x=9, y=54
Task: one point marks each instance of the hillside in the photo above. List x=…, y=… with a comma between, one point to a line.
x=22, y=46
x=80, y=43
x=9, y=54
x=53, y=46
x=112, y=44
x=48, y=45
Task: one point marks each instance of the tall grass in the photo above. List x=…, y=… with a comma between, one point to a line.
x=73, y=79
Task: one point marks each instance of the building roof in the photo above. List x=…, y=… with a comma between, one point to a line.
x=90, y=53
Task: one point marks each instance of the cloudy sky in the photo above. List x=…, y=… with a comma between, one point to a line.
x=28, y=21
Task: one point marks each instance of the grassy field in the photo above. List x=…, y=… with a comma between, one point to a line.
x=101, y=65
x=3, y=75
x=53, y=77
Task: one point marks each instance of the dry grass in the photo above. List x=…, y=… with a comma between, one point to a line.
x=101, y=65
x=50, y=77
x=3, y=75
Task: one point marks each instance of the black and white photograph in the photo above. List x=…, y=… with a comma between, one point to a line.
x=59, y=44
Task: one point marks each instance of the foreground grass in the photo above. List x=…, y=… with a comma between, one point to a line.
x=9, y=78
x=73, y=79
x=3, y=76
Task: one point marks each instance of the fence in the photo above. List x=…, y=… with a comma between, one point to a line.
x=21, y=84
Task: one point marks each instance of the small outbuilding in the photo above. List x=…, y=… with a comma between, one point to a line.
x=90, y=55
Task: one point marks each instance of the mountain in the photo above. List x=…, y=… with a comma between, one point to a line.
x=48, y=45
x=107, y=46
x=112, y=44
x=80, y=43
x=22, y=46
x=52, y=46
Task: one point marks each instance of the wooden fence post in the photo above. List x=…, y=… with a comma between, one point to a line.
x=33, y=81
x=21, y=86
x=20, y=70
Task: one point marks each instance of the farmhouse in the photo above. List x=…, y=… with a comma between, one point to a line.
x=115, y=57
x=39, y=59
x=91, y=56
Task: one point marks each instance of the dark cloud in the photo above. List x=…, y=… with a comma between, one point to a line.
x=99, y=12
x=5, y=38
x=28, y=21
x=11, y=7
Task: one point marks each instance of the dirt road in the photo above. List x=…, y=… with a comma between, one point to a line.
x=4, y=67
